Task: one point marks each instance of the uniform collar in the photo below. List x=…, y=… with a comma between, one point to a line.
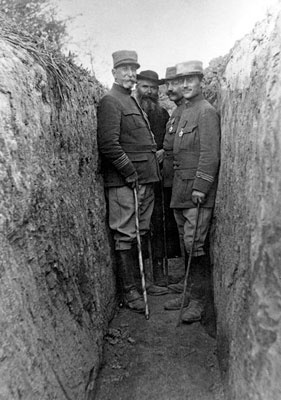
x=121, y=89
x=180, y=102
x=195, y=99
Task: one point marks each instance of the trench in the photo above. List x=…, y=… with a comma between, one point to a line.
x=58, y=339
x=156, y=359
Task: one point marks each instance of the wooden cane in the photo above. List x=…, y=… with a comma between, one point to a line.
x=188, y=265
x=140, y=255
x=166, y=262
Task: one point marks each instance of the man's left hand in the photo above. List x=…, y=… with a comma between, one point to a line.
x=198, y=197
x=160, y=155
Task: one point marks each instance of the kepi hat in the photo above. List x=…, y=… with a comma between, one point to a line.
x=170, y=73
x=123, y=57
x=150, y=76
x=186, y=68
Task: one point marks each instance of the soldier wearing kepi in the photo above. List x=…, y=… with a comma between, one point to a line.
x=128, y=152
x=196, y=163
x=174, y=92
x=147, y=94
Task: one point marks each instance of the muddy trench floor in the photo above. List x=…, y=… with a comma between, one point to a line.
x=155, y=360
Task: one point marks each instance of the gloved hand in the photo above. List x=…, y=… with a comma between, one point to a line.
x=132, y=181
x=198, y=197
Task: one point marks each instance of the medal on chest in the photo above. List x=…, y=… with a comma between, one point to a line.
x=172, y=125
x=181, y=132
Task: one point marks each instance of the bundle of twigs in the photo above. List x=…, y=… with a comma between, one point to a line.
x=62, y=68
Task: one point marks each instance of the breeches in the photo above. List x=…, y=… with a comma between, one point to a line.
x=122, y=219
x=186, y=220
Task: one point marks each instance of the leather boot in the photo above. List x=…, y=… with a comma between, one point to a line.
x=159, y=277
x=198, y=292
x=152, y=290
x=131, y=297
x=178, y=287
x=158, y=273
x=175, y=304
x=193, y=312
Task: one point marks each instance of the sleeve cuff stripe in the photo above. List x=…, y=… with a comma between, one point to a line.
x=121, y=161
x=204, y=176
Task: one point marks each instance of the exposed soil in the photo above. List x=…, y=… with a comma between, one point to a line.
x=156, y=360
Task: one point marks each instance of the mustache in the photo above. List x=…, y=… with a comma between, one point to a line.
x=150, y=97
x=171, y=92
x=134, y=80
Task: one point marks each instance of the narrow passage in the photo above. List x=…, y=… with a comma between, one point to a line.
x=155, y=360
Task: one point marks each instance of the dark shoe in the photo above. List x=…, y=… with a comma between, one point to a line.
x=158, y=273
x=172, y=279
x=177, y=287
x=161, y=282
x=175, y=304
x=134, y=301
x=154, y=290
x=193, y=312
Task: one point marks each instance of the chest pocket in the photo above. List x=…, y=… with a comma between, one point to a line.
x=133, y=119
x=189, y=139
x=188, y=129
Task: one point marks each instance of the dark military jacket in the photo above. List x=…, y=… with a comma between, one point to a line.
x=168, y=143
x=196, y=154
x=125, y=140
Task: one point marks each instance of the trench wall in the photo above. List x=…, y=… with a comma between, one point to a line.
x=247, y=221
x=56, y=279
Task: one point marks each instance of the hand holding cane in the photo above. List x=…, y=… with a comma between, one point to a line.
x=188, y=265
x=140, y=254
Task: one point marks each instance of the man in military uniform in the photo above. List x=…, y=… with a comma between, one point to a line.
x=196, y=163
x=174, y=92
x=128, y=152
x=147, y=94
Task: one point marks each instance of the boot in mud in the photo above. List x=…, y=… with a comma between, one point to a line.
x=193, y=312
x=175, y=304
x=155, y=290
x=199, y=283
x=132, y=299
x=151, y=288
x=158, y=273
x=179, y=286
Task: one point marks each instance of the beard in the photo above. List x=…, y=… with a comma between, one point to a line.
x=150, y=104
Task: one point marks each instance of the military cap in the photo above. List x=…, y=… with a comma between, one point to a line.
x=122, y=57
x=150, y=76
x=193, y=67
x=170, y=73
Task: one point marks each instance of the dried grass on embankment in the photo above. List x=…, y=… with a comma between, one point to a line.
x=56, y=282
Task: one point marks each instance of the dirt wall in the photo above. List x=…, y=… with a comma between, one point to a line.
x=56, y=282
x=247, y=241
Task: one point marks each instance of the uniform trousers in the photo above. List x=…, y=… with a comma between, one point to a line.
x=122, y=219
x=186, y=220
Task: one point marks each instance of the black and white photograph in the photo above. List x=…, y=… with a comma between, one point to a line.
x=140, y=200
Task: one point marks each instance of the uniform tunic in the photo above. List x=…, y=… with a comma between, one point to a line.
x=196, y=154
x=125, y=140
x=126, y=145
x=196, y=164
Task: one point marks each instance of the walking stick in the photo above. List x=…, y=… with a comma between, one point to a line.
x=166, y=264
x=140, y=255
x=150, y=258
x=188, y=265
